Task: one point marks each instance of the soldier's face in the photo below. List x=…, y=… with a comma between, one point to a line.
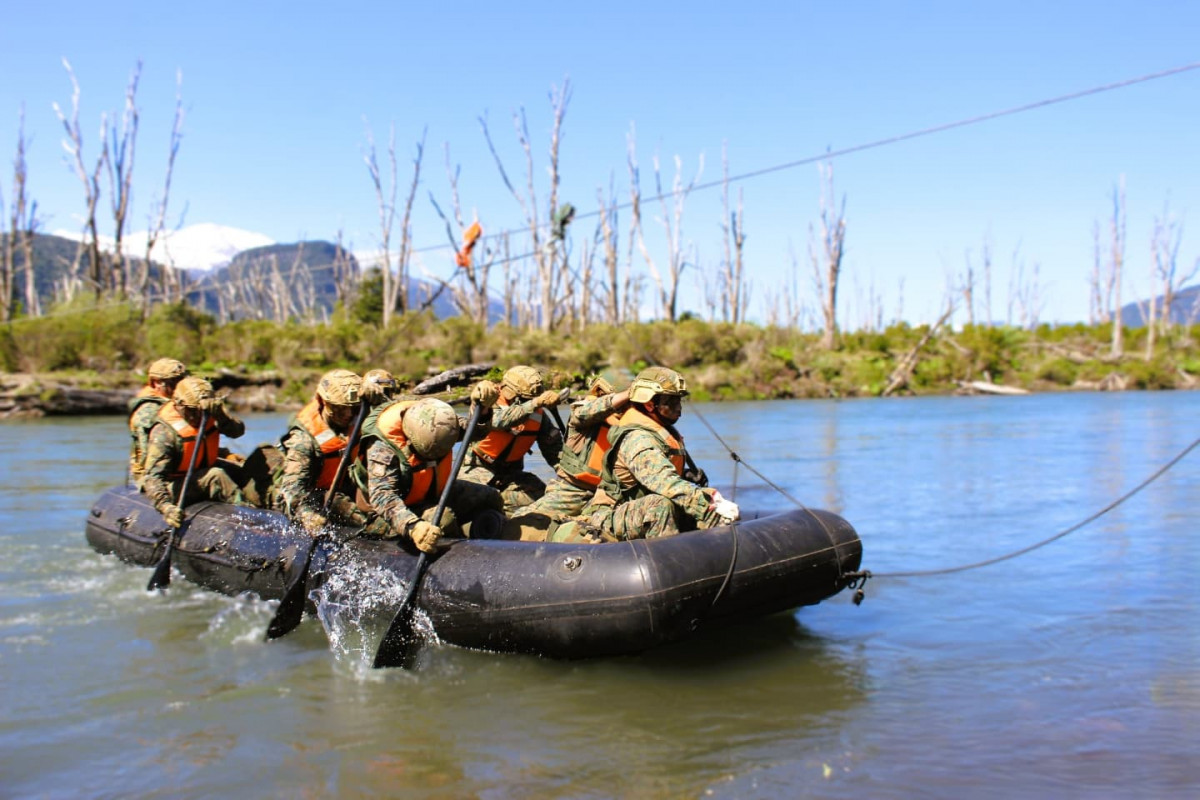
x=669, y=407
x=339, y=417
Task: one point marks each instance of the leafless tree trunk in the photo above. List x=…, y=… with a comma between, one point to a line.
x=967, y=287
x=170, y=284
x=733, y=300
x=908, y=362
x=346, y=274
x=471, y=292
x=827, y=265
x=1165, y=242
x=549, y=258
x=120, y=149
x=672, y=222
x=23, y=224
x=73, y=145
x=1116, y=266
x=395, y=285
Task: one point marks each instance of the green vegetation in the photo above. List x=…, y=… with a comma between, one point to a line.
x=110, y=345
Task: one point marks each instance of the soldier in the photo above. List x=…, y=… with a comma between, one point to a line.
x=313, y=448
x=517, y=422
x=170, y=446
x=582, y=458
x=161, y=379
x=642, y=490
x=408, y=459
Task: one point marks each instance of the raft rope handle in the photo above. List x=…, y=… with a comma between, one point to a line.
x=857, y=580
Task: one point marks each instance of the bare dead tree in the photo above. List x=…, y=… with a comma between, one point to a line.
x=23, y=225
x=73, y=145
x=671, y=220
x=470, y=290
x=827, y=262
x=395, y=284
x=967, y=288
x=170, y=284
x=549, y=254
x=733, y=284
x=1165, y=241
x=1116, y=266
x=346, y=273
x=611, y=289
x=120, y=149
x=903, y=371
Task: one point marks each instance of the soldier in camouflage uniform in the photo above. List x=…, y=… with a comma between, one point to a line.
x=161, y=379
x=170, y=445
x=313, y=448
x=517, y=422
x=409, y=445
x=582, y=459
x=642, y=490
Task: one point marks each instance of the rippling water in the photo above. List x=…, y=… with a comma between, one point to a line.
x=1073, y=670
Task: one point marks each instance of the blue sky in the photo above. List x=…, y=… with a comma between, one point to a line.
x=277, y=94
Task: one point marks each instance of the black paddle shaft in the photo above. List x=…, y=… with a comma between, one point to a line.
x=161, y=578
x=398, y=648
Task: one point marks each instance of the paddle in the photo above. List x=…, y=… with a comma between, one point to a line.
x=291, y=608
x=161, y=578
x=398, y=648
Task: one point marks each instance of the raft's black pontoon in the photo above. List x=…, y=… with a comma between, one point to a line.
x=557, y=600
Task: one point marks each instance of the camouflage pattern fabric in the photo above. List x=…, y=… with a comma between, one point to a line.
x=519, y=487
x=164, y=450
x=295, y=492
x=561, y=498
x=388, y=481
x=140, y=423
x=642, y=468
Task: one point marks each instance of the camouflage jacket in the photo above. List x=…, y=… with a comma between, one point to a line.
x=388, y=480
x=164, y=450
x=296, y=488
x=641, y=461
x=141, y=420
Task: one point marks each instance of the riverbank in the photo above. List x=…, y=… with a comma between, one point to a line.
x=93, y=361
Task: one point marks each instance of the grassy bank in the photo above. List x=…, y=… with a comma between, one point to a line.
x=107, y=347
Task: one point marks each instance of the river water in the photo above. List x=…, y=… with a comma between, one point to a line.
x=1070, y=671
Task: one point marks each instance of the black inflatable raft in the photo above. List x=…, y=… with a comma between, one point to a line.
x=556, y=600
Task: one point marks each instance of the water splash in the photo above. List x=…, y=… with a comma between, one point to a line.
x=355, y=604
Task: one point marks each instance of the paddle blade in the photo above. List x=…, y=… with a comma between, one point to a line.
x=291, y=608
x=161, y=578
x=400, y=644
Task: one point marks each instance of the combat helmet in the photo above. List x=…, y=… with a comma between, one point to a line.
x=340, y=387
x=431, y=427
x=192, y=391
x=167, y=369
x=522, y=381
x=654, y=381
x=384, y=379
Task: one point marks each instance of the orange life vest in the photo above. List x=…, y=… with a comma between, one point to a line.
x=212, y=440
x=332, y=444
x=585, y=463
x=389, y=426
x=511, y=445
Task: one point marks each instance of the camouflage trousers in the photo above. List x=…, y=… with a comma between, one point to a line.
x=214, y=484
x=643, y=518
x=562, y=498
x=467, y=501
x=518, y=488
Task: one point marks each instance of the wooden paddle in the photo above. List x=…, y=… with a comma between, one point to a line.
x=399, y=645
x=161, y=578
x=291, y=608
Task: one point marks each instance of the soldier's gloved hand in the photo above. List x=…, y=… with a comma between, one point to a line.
x=213, y=406
x=727, y=510
x=173, y=515
x=375, y=391
x=425, y=535
x=485, y=393
x=313, y=522
x=697, y=476
x=546, y=399
x=347, y=511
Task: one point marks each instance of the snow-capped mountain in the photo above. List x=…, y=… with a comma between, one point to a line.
x=203, y=246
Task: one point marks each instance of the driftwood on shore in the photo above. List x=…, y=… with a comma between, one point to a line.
x=452, y=377
x=24, y=395
x=987, y=387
